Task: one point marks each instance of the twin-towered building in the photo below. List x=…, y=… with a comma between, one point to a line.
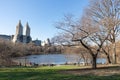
x=19, y=37
x=26, y=38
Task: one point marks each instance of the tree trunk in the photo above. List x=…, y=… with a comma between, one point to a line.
x=114, y=53
x=108, y=56
x=108, y=59
x=94, y=64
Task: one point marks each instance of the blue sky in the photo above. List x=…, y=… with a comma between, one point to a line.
x=40, y=14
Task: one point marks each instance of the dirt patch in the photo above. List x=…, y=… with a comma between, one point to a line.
x=100, y=71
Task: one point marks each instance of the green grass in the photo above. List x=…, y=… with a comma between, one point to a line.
x=47, y=73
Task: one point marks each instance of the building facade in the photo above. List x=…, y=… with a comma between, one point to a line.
x=19, y=37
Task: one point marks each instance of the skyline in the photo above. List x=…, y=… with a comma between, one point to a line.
x=40, y=15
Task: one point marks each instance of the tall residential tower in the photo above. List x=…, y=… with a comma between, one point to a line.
x=19, y=37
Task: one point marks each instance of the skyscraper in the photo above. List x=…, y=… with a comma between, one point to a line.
x=19, y=37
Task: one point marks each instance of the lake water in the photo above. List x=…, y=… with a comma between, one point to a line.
x=54, y=59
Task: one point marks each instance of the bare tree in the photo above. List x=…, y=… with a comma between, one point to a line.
x=106, y=49
x=6, y=49
x=87, y=32
x=62, y=39
x=100, y=23
x=107, y=14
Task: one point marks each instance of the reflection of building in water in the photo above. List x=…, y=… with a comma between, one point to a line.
x=24, y=38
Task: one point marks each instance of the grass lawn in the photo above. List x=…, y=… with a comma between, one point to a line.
x=50, y=73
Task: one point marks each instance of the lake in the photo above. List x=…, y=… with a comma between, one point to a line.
x=54, y=59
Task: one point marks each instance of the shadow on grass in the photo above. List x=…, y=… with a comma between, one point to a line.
x=52, y=74
x=31, y=76
x=49, y=75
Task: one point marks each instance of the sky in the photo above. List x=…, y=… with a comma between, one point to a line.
x=41, y=15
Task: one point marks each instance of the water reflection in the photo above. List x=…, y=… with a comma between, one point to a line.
x=54, y=59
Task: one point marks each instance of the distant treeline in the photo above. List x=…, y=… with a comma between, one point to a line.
x=9, y=50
